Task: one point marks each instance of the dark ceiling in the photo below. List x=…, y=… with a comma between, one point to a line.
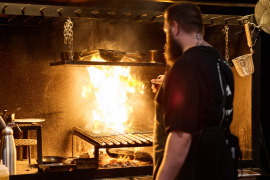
x=237, y=7
x=35, y=12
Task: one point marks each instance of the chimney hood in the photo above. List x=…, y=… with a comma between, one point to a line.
x=48, y=12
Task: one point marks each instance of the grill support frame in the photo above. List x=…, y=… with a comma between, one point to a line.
x=88, y=138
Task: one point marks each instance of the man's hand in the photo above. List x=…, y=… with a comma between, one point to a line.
x=156, y=83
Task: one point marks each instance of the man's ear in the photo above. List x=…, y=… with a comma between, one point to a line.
x=175, y=28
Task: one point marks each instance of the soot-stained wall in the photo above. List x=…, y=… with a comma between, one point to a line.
x=32, y=88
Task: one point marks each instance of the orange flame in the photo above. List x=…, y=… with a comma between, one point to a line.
x=111, y=86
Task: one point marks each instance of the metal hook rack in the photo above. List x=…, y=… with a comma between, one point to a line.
x=41, y=11
x=21, y=9
x=218, y=19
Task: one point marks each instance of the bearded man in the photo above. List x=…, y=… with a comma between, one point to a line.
x=193, y=105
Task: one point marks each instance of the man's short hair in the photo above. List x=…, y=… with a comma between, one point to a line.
x=187, y=15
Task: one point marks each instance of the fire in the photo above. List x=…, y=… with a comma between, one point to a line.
x=111, y=87
x=121, y=161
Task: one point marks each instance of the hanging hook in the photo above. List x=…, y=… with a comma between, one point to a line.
x=41, y=10
x=60, y=11
x=95, y=13
x=227, y=19
x=214, y=18
x=4, y=9
x=23, y=10
x=78, y=12
x=156, y=16
x=141, y=16
x=127, y=13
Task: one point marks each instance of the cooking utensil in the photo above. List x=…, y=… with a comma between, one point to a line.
x=56, y=167
x=244, y=64
x=135, y=57
x=111, y=55
x=87, y=52
x=107, y=55
x=53, y=159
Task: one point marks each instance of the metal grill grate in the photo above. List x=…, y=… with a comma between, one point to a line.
x=116, y=141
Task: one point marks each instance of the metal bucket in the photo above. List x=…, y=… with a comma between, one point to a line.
x=244, y=64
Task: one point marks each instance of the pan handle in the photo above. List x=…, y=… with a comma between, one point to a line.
x=249, y=41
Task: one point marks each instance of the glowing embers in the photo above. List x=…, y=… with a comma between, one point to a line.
x=125, y=157
x=108, y=91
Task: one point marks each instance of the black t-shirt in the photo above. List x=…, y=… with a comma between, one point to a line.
x=194, y=90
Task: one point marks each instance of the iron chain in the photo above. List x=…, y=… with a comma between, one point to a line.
x=68, y=36
x=226, y=32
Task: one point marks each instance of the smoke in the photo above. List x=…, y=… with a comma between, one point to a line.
x=122, y=36
x=111, y=35
x=119, y=35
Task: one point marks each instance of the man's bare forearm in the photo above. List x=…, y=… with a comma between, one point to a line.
x=176, y=150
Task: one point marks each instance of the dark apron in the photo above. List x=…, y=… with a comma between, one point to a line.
x=159, y=139
x=208, y=158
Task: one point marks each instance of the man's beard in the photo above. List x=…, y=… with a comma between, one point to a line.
x=173, y=50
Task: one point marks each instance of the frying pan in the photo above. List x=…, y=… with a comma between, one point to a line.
x=108, y=55
x=53, y=159
x=56, y=167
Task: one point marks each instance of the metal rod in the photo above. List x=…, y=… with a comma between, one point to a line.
x=129, y=141
x=106, y=141
x=90, y=63
x=132, y=138
x=113, y=140
x=138, y=138
x=44, y=19
x=145, y=137
x=121, y=140
x=72, y=145
x=39, y=144
x=98, y=141
x=15, y=9
x=96, y=155
x=31, y=17
x=11, y=19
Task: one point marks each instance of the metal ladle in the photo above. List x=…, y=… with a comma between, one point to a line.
x=244, y=64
